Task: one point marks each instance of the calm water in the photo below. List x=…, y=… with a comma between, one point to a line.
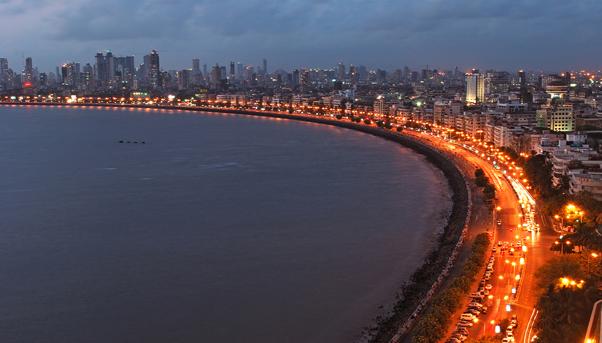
x=221, y=228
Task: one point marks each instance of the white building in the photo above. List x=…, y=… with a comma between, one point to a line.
x=475, y=87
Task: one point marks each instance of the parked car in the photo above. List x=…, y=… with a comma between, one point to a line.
x=466, y=316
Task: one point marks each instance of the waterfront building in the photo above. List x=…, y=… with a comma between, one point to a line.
x=379, y=105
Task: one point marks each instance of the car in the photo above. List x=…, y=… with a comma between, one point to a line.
x=466, y=316
x=474, y=311
x=463, y=331
x=506, y=340
x=476, y=295
x=460, y=337
x=483, y=309
x=499, y=222
x=488, y=286
x=499, y=243
x=464, y=324
x=509, y=330
x=494, y=249
x=475, y=304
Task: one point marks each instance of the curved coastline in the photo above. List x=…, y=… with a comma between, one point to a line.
x=425, y=280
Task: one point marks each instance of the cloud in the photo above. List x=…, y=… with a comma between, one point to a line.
x=383, y=33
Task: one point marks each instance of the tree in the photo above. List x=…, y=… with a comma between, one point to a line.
x=482, y=181
x=556, y=268
x=564, y=310
x=489, y=191
x=539, y=171
x=488, y=339
x=564, y=313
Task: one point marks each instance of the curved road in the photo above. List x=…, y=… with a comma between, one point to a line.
x=506, y=289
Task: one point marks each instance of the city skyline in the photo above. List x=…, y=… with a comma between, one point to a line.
x=536, y=35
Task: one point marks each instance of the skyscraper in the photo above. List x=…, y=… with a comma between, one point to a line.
x=232, y=73
x=341, y=72
x=105, y=68
x=353, y=75
x=70, y=74
x=265, y=67
x=153, y=69
x=28, y=79
x=3, y=74
x=239, y=70
x=475, y=87
x=196, y=66
x=524, y=92
x=216, y=76
x=196, y=72
x=125, y=68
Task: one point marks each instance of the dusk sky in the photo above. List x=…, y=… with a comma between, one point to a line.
x=534, y=34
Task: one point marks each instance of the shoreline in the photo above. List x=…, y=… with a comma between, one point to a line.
x=426, y=279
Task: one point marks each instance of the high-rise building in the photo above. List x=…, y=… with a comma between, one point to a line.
x=196, y=66
x=239, y=70
x=43, y=80
x=153, y=70
x=216, y=75
x=184, y=79
x=196, y=72
x=70, y=74
x=354, y=76
x=104, y=68
x=87, y=77
x=264, y=70
x=125, y=69
x=341, y=72
x=475, y=87
x=304, y=80
x=3, y=74
x=232, y=73
x=28, y=74
x=524, y=92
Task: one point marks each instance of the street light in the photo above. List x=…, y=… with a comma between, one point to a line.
x=593, y=255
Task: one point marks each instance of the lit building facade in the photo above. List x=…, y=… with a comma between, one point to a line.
x=475, y=87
